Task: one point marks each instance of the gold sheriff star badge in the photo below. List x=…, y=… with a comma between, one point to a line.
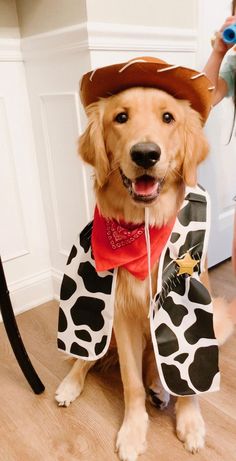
x=186, y=264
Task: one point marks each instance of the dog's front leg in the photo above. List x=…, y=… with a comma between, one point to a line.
x=73, y=384
x=190, y=426
x=131, y=440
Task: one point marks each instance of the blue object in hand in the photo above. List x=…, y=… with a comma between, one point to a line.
x=229, y=34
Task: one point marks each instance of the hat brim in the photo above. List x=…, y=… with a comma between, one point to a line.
x=180, y=82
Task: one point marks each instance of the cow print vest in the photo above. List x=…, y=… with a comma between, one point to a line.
x=181, y=316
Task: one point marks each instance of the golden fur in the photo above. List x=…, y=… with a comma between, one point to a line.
x=106, y=145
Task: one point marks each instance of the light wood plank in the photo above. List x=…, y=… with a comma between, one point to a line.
x=33, y=428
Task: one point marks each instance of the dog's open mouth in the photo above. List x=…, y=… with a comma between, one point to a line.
x=144, y=188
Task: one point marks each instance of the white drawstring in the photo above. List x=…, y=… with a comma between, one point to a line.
x=148, y=245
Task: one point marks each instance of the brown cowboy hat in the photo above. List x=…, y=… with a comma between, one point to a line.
x=180, y=82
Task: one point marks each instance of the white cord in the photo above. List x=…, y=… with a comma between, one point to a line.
x=148, y=245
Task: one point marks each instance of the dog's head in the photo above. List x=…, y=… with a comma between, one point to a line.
x=146, y=139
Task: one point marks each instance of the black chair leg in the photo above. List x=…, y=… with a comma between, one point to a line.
x=15, y=337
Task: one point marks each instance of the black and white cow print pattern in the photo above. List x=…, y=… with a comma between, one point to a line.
x=181, y=320
x=86, y=303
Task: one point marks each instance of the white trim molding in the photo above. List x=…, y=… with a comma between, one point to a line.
x=112, y=37
x=59, y=41
x=10, y=49
x=104, y=36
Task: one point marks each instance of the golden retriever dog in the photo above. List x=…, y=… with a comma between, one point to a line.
x=169, y=144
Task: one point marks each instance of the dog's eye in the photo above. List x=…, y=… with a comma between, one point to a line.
x=122, y=117
x=167, y=117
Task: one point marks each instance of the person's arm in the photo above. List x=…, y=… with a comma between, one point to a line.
x=213, y=64
x=211, y=70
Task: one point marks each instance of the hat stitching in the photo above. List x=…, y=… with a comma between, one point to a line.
x=197, y=76
x=167, y=68
x=92, y=74
x=129, y=64
x=164, y=67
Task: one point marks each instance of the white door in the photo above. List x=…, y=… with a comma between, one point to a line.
x=218, y=174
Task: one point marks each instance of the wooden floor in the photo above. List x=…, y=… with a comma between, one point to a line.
x=34, y=428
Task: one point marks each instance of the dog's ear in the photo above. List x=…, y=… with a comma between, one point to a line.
x=195, y=146
x=91, y=143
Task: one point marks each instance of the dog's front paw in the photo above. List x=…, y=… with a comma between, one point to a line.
x=67, y=392
x=131, y=439
x=191, y=430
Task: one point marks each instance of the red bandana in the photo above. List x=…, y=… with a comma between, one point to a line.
x=116, y=244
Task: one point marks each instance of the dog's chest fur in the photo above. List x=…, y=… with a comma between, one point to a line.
x=132, y=296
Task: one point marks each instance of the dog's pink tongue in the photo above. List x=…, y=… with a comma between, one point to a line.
x=145, y=185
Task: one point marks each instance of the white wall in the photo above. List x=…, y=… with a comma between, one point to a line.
x=38, y=16
x=155, y=13
x=45, y=15
x=53, y=89
x=54, y=65
x=218, y=172
x=9, y=26
x=23, y=237
x=49, y=195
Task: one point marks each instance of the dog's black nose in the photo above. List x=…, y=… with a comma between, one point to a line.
x=145, y=154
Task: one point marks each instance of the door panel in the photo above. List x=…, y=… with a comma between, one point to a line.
x=217, y=174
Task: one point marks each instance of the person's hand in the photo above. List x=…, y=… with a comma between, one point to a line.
x=217, y=42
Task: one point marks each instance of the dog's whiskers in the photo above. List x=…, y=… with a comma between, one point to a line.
x=169, y=171
x=175, y=172
x=113, y=170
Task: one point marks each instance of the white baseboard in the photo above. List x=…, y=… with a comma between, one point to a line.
x=30, y=292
